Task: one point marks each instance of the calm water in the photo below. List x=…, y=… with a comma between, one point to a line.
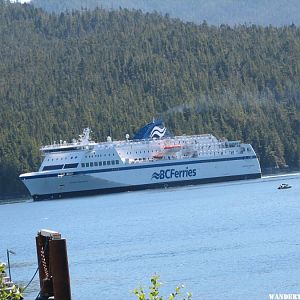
x=236, y=240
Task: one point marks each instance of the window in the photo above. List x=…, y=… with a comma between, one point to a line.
x=55, y=167
x=117, y=162
x=67, y=166
x=108, y=162
x=112, y=162
x=96, y=164
x=86, y=164
x=91, y=164
x=104, y=163
x=100, y=163
x=83, y=165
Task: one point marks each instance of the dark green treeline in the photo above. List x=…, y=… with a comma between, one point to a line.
x=114, y=71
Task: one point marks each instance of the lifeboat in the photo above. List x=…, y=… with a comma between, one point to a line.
x=159, y=155
x=172, y=148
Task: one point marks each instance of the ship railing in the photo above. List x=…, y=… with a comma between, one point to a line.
x=182, y=137
x=47, y=147
x=206, y=135
x=65, y=144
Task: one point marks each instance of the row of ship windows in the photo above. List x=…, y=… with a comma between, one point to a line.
x=89, y=156
x=61, y=158
x=100, y=163
x=88, y=164
x=58, y=167
x=136, y=152
x=99, y=155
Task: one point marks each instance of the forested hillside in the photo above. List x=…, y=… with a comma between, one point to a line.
x=216, y=12
x=114, y=71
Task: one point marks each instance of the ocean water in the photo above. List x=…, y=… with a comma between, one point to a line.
x=237, y=240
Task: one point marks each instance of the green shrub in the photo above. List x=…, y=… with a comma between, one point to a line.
x=154, y=291
x=8, y=294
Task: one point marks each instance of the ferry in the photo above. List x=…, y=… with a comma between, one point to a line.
x=153, y=158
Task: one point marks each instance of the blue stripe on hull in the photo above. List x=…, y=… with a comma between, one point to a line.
x=145, y=186
x=142, y=166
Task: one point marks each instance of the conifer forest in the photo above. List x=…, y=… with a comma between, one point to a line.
x=116, y=70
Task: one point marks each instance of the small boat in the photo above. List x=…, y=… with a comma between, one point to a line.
x=284, y=186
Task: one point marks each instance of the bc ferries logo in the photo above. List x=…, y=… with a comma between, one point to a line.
x=172, y=173
x=158, y=132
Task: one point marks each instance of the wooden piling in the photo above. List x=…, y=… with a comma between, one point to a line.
x=60, y=269
x=53, y=266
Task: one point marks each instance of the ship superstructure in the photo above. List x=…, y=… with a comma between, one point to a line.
x=153, y=158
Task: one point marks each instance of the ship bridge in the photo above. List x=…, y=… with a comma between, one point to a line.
x=83, y=143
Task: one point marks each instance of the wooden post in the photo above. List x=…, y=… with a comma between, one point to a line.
x=53, y=266
x=60, y=269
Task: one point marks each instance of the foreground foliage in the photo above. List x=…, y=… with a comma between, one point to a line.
x=115, y=70
x=154, y=293
x=5, y=294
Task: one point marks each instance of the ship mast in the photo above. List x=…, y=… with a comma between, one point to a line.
x=85, y=137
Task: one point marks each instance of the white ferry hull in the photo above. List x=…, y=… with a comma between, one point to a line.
x=51, y=185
